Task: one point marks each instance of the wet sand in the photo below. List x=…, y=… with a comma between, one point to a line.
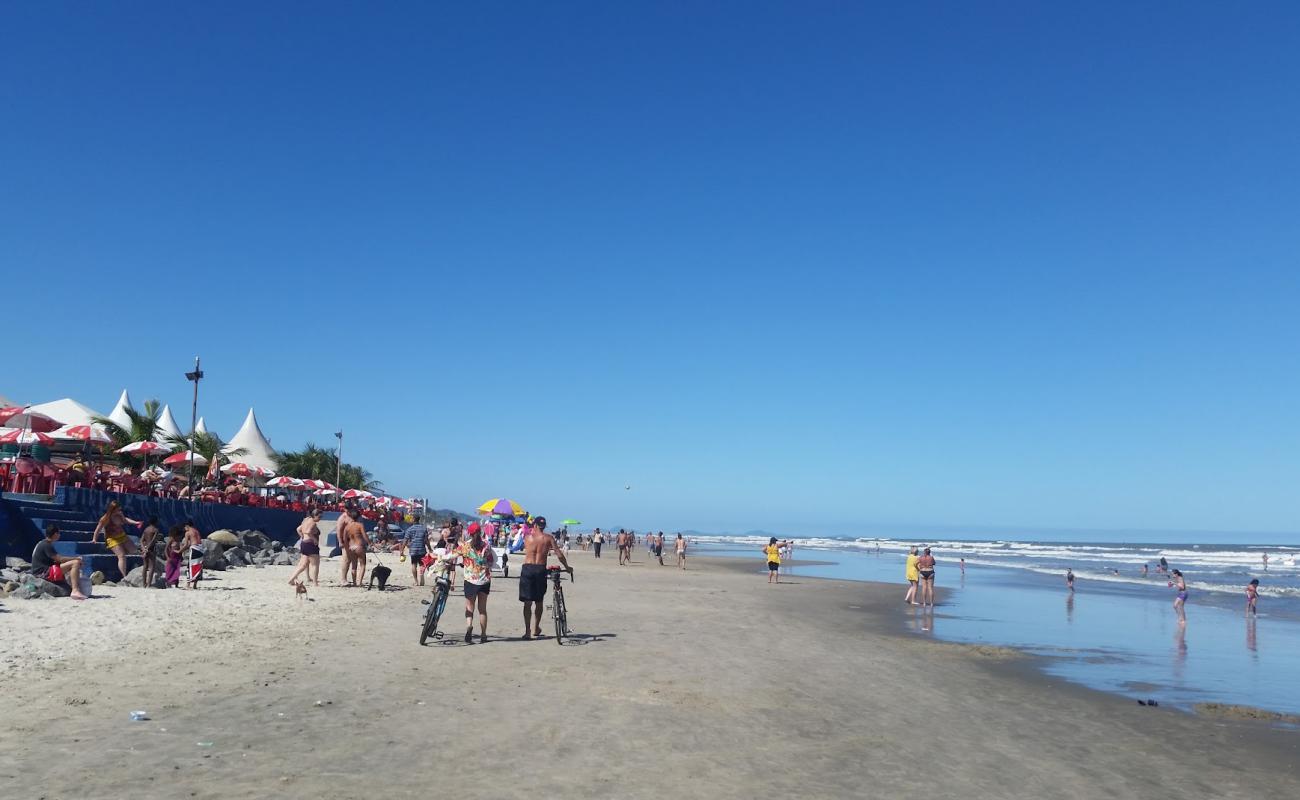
x=703, y=683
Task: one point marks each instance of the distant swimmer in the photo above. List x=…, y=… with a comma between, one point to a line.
x=1144, y=570
x=1265, y=559
x=962, y=563
x=1069, y=579
x=1252, y=596
x=1164, y=565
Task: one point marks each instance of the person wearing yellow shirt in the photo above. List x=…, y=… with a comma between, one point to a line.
x=913, y=575
x=773, y=553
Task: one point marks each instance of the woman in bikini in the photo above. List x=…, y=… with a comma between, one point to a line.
x=680, y=546
x=309, y=547
x=1179, y=584
x=925, y=571
x=113, y=526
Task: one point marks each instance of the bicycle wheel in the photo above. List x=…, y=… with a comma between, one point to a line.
x=561, y=623
x=430, y=622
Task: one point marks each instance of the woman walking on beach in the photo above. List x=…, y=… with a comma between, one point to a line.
x=680, y=547
x=1179, y=584
x=113, y=526
x=925, y=570
x=476, y=559
x=913, y=577
x=309, y=547
x=773, y=553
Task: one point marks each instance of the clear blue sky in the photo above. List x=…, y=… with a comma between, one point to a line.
x=805, y=266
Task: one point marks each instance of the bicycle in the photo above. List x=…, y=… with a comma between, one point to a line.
x=558, y=612
x=441, y=589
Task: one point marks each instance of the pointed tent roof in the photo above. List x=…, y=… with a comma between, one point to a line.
x=250, y=438
x=118, y=414
x=200, y=428
x=167, y=425
x=67, y=411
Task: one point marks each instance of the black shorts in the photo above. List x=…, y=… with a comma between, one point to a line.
x=532, y=583
x=773, y=566
x=473, y=590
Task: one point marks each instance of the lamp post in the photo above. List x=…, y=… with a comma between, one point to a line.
x=195, y=377
x=338, y=461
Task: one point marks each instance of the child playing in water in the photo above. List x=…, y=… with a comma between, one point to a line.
x=1178, y=583
x=1252, y=595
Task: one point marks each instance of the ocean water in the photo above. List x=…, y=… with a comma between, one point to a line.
x=1116, y=632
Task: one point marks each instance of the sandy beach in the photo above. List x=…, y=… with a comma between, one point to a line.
x=703, y=683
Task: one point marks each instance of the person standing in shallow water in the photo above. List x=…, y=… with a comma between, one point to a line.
x=1069, y=579
x=925, y=571
x=773, y=553
x=913, y=577
x=1252, y=596
x=1179, y=584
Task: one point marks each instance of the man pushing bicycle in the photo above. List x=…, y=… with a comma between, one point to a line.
x=538, y=545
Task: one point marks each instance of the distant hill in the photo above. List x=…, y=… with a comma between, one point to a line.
x=441, y=514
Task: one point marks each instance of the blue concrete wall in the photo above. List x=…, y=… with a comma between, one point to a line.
x=17, y=534
x=276, y=523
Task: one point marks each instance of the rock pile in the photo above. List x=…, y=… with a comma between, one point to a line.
x=222, y=550
x=226, y=549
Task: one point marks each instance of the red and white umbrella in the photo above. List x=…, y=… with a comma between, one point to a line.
x=244, y=470
x=21, y=417
x=399, y=503
x=84, y=433
x=352, y=494
x=286, y=482
x=24, y=436
x=184, y=458
x=312, y=483
x=144, y=448
x=323, y=492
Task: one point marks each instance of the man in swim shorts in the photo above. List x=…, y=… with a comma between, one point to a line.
x=538, y=545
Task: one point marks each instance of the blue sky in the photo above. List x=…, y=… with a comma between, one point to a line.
x=810, y=267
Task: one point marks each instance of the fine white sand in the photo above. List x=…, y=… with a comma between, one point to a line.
x=705, y=683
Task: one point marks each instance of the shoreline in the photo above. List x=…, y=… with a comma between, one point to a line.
x=677, y=680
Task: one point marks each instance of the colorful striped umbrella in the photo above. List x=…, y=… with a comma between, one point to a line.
x=501, y=505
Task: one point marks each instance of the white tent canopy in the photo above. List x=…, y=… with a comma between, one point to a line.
x=167, y=425
x=201, y=427
x=250, y=438
x=67, y=411
x=118, y=414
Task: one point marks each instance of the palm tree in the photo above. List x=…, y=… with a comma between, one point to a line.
x=315, y=462
x=143, y=427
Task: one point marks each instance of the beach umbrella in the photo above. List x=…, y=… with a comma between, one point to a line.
x=571, y=522
x=22, y=436
x=184, y=458
x=85, y=433
x=245, y=470
x=352, y=494
x=21, y=417
x=500, y=505
x=284, y=481
x=143, y=448
x=323, y=492
x=399, y=502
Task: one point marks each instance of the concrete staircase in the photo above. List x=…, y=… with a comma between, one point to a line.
x=76, y=528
